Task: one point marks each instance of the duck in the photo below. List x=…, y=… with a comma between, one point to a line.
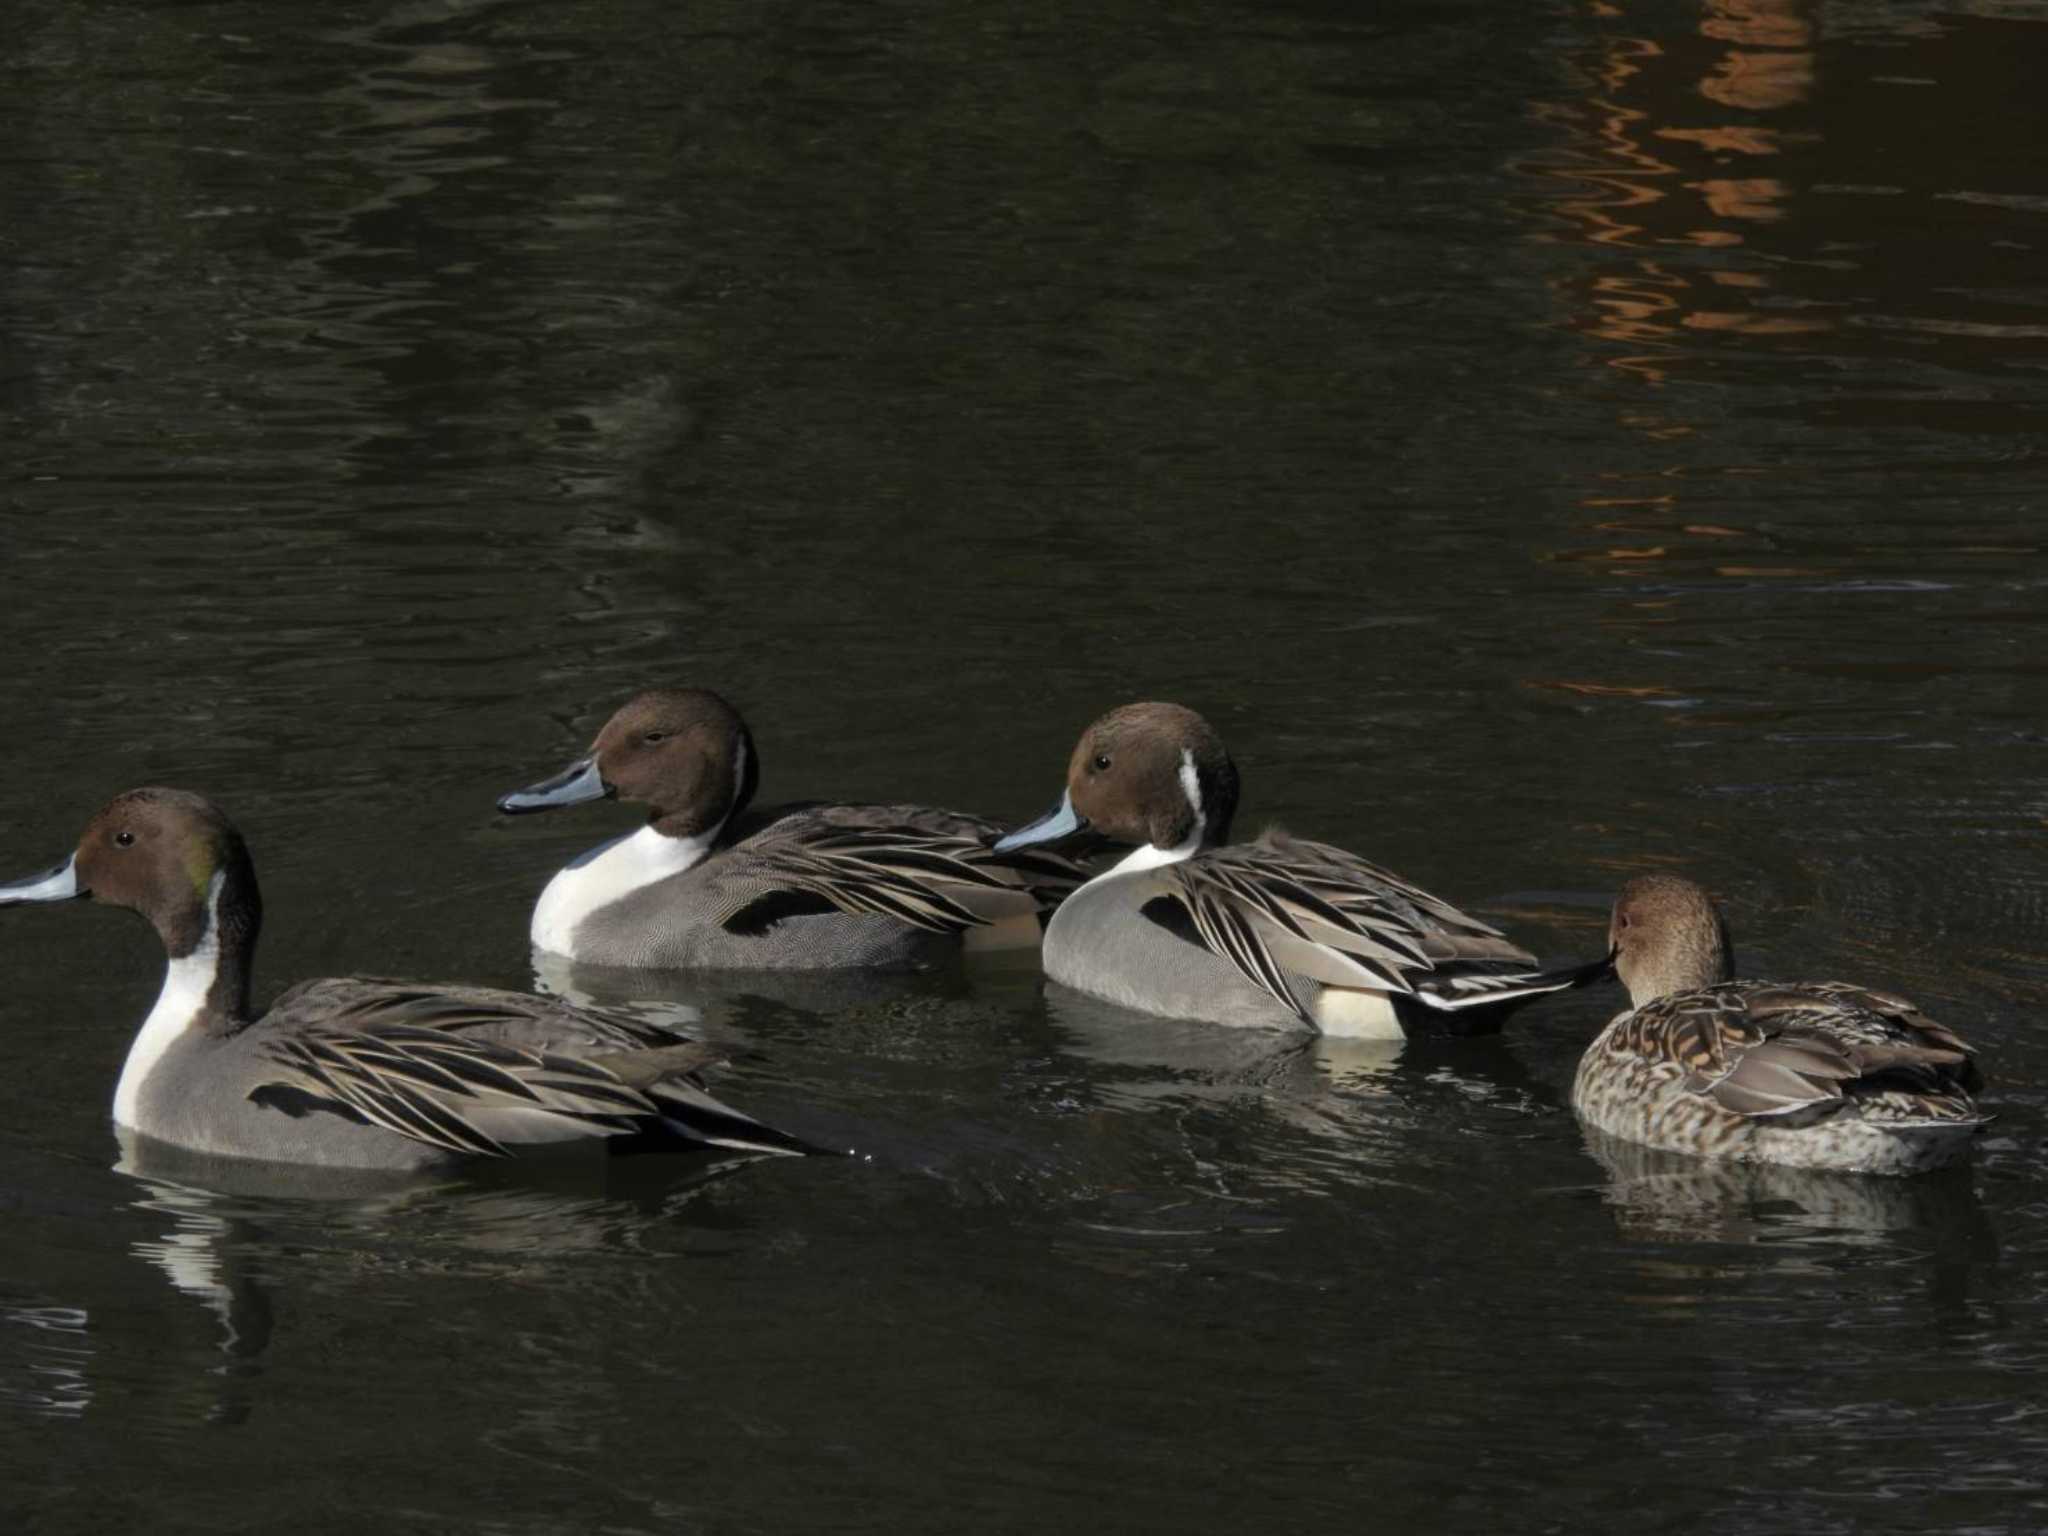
x=709, y=882
x=1280, y=932
x=1824, y=1075
x=358, y=1073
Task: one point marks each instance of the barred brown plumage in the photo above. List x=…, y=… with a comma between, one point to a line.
x=1809, y=1074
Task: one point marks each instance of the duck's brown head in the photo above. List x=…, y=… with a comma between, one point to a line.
x=168, y=854
x=1668, y=936
x=683, y=752
x=1149, y=773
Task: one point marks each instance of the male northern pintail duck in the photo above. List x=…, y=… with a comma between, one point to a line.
x=1806, y=1074
x=709, y=883
x=352, y=1072
x=1276, y=933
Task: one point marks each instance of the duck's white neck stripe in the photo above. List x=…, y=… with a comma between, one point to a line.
x=187, y=982
x=1151, y=856
x=1192, y=783
x=605, y=875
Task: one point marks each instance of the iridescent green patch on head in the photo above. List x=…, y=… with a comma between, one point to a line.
x=200, y=863
x=165, y=853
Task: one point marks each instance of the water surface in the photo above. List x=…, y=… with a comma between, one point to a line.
x=1550, y=442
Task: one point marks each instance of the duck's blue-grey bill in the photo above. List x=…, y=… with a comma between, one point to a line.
x=576, y=783
x=1060, y=822
x=59, y=884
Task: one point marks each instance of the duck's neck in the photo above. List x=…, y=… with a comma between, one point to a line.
x=1689, y=962
x=1151, y=855
x=206, y=984
x=1204, y=823
x=711, y=804
x=608, y=873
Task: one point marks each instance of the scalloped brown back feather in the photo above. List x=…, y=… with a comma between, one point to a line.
x=1765, y=1049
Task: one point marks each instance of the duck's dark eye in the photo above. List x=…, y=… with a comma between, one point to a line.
x=1101, y=763
x=652, y=737
x=124, y=839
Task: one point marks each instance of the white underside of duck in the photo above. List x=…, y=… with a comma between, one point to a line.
x=1357, y=1014
x=187, y=981
x=608, y=873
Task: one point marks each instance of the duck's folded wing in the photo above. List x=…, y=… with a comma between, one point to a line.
x=1457, y=950
x=522, y=1019
x=1882, y=1038
x=1782, y=1077
x=476, y=1070
x=1768, y=1050
x=942, y=879
x=1281, y=907
x=1906, y=1037
x=1269, y=923
x=1792, y=1073
x=462, y=1093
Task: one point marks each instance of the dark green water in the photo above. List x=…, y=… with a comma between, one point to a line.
x=1549, y=441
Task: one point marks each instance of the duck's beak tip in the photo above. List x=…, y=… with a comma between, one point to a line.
x=1056, y=825
x=59, y=883
x=579, y=782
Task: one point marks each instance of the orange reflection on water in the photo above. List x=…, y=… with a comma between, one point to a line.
x=1743, y=324
x=1726, y=140
x=1757, y=197
x=1761, y=82
x=1601, y=690
x=1636, y=148
x=1625, y=533
x=1772, y=66
x=1757, y=23
x=1629, y=310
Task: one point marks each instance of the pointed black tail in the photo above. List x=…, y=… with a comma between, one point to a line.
x=691, y=1114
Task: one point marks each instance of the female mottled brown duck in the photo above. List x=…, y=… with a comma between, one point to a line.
x=1805, y=1074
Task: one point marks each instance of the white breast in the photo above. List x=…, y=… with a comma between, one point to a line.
x=1145, y=856
x=604, y=875
x=186, y=983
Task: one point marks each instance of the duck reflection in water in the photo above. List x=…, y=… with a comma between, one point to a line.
x=1350, y=1107
x=691, y=1002
x=44, y=1363
x=1672, y=1197
x=241, y=1231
